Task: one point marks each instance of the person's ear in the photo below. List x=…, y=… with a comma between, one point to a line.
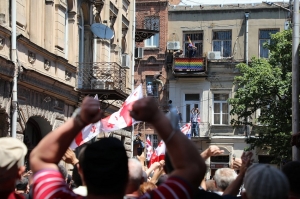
x=21, y=171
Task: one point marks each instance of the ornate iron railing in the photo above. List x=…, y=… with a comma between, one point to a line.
x=101, y=76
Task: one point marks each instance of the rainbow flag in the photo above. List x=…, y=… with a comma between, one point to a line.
x=188, y=64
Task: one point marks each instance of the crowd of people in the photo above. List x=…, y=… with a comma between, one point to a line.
x=103, y=170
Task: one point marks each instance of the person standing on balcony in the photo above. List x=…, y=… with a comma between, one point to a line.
x=156, y=79
x=191, y=48
x=195, y=114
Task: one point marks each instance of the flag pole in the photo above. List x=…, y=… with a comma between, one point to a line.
x=132, y=68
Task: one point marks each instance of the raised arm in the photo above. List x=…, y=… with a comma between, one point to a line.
x=183, y=153
x=52, y=147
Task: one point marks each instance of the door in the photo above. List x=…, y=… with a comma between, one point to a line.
x=191, y=101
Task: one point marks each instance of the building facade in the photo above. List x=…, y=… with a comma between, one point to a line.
x=224, y=35
x=59, y=60
x=151, y=41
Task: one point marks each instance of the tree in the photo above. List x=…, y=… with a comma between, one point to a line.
x=266, y=85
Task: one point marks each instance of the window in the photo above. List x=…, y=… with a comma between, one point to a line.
x=197, y=40
x=152, y=23
x=154, y=140
x=265, y=36
x=154, y=86
x=191, y=101
x=220, y=110
x=222, y=42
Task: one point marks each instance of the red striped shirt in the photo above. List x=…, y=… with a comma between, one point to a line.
x=50, y=184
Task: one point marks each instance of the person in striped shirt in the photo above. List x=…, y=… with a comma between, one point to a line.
x=104, y=165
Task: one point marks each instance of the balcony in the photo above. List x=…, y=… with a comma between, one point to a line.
x=146, y=26
x=107, y=79
x=189, y=67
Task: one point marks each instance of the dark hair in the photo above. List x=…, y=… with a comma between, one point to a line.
x=22, y=184
x=292, y=172
x=76, y=177
x=105, y=167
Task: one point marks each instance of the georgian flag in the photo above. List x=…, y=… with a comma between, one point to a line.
x=149, y=150
x=116, y=121
x=122, y=118
x=158, y=154
x=87, y=133
x=186, y=129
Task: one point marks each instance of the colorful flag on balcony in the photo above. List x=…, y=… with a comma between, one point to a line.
x=121, y=118
x=87, y=133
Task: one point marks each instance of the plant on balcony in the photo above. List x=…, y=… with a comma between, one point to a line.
x=265, y=85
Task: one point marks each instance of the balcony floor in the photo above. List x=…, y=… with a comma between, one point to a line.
x=106, y=94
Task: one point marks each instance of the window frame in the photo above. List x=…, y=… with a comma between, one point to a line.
x=153, y=140
x=265, y=40
x=222, y=42
x=221, y=102
x=185, y=43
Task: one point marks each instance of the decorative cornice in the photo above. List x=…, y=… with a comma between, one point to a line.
x=56, y=88
x=45, y=53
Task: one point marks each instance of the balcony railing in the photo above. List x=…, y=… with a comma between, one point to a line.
x=189, y=66
x=146, y=25
x=101, y=77
x=203, y=128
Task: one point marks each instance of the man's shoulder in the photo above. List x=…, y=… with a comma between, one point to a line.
x=174, y=187
x=51, y=184
x=205, y=194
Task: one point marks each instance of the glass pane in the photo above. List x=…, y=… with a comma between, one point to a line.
x=217, y=119
x=199, y=52
x=226, y=48
x=217, y=45
x=263, y=52
x=187, y=112
x=192, y=97
x=156, y=40
x=222, y=35
x=217, y=107
x=221, y=97
x=224, y=118
x=266, y=34
x=225, y=108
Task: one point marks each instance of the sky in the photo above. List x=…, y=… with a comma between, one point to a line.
x=219, y=2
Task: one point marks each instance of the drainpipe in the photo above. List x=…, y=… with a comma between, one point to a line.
x=246, y=37
x=95, y=50
x=14, y=60
x=132, y=68
x=246, y=59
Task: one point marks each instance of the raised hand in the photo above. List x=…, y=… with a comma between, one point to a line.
x=146, y=109
x=246, y=161
x=90, y=111
x=214, y=150
x=70, y=157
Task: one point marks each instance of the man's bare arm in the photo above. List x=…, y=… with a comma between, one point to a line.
x=183, y=153
x=52, y=147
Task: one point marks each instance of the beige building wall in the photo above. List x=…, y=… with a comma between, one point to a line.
x=185, y=19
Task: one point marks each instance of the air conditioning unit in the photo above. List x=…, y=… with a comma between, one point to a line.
x=139, y=53
x=97, y=84
x=125, y=61
x=173, y=45
x=214, y=55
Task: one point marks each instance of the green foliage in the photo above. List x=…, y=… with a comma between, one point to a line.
x=266, y=85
